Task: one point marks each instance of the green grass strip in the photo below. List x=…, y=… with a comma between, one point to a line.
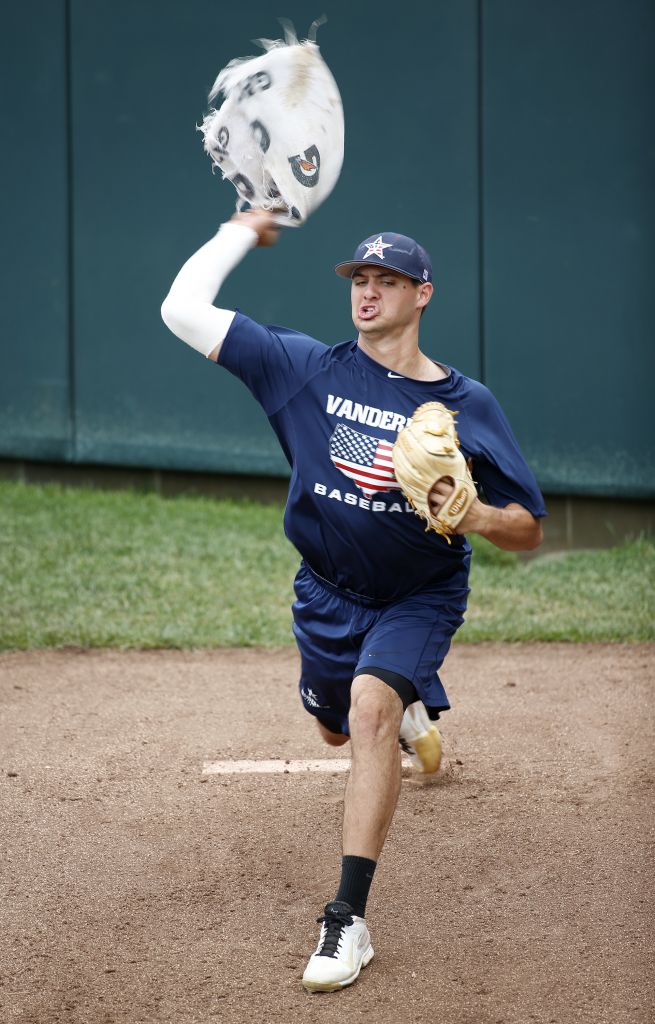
x=579, y=596
x=126, y=569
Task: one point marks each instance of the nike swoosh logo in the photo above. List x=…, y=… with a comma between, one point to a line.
x=399, y=375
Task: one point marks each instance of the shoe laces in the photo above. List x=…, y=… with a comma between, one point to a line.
x=335, y=920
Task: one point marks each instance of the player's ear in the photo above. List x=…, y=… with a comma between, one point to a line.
x=425, y=291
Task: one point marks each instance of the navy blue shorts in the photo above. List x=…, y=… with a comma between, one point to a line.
x=340, y=636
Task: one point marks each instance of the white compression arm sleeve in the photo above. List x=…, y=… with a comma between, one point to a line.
x=187, y=310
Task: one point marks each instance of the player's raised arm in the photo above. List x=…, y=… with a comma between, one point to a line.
x=188, y=309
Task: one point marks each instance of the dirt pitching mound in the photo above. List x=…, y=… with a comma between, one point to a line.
x=515, y=886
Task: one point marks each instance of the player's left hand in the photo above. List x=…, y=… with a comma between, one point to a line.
x=428, y=465
x=441, y=491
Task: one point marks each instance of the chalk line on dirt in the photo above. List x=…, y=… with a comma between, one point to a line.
x=274, y=767
x=278, y=767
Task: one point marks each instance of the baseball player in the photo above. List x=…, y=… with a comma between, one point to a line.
x=378, y=598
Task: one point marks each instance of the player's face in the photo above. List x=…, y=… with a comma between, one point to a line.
x=382, y=300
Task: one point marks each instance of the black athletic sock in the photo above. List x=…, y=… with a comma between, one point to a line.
x=356, y=877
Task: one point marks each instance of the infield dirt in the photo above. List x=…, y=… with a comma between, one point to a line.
x=515, y=886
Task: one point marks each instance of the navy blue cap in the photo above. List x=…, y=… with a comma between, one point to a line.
x=397, y=252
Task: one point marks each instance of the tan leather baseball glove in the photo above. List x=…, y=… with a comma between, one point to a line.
x=426, y=450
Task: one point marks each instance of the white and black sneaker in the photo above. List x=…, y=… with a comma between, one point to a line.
x=343, y=949
x=420, y=738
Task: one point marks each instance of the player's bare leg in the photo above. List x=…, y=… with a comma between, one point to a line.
x=419, y=738
x=344, y=945
x=373, y=786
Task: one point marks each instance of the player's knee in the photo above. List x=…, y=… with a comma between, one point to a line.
x=333, y=739
x=375, y=710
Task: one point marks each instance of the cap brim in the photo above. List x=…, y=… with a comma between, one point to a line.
x=346, y=269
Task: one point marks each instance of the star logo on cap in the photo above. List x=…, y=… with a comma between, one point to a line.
x=376, y=248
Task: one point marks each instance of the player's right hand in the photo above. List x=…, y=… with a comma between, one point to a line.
x=261, y=221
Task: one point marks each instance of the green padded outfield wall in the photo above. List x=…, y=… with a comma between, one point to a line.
x=35, y=378
x=568, y=156
x=514, y=139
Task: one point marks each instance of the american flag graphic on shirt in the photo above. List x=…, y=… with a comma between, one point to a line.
x=366, y=460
